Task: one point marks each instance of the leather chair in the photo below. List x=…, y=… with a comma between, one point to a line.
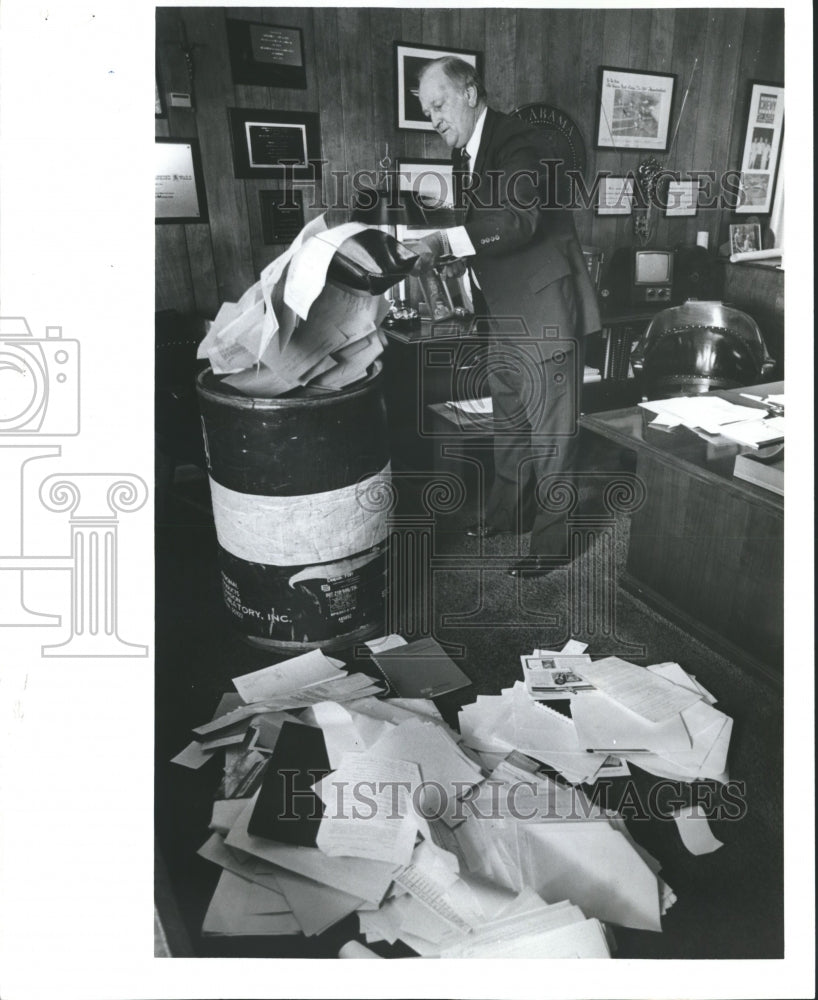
x=699, y=346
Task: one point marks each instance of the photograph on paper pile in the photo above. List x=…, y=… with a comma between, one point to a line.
x=554, y=675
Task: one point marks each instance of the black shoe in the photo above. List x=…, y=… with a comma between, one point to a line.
x=531, y=567
x=483, y=530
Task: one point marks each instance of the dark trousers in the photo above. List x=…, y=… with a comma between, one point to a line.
x=536, y=403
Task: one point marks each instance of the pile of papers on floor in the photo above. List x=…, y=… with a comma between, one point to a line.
x=335, y=801
x=295, y=327
x=658, y=717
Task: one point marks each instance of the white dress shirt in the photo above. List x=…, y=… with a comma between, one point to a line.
x=459, y=240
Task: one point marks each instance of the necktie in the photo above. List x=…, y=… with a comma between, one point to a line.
x=464, y=162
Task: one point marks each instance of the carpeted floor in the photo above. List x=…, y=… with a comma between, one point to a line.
x=730, y=903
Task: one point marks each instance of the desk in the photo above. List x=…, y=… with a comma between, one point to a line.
x=706, y=549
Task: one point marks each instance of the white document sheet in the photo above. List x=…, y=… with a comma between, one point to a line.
x=271, y=276
x=368, y=809
x=224, y=814
x=710, y=732
x=316, y=907
x=593, y=866
x=710, y=413
x=237, y=341
x=385, y=642
x=354, y=949
x=393, y=710
x=755, y=433
x=480, y=721
x=285, y=678
x=340, y=734
x=644, y=693
x=603, y=724
x=695, y=830
x=482, y=405
x=549, y=736
x=307, y=273
x=673, y=672
x=245, y=865
x=233, y=911
x=436, y=754
x=193, y=756
x=585, y=939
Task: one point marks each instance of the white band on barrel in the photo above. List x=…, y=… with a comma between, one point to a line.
x=299, y=530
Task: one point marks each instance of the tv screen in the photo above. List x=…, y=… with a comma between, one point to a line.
x=652, y=267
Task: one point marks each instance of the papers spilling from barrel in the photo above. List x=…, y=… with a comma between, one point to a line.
x=488, y=842
x=313, y=317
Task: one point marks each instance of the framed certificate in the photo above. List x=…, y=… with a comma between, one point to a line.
x=267, y=55
x=282, y=144
x=179, y=191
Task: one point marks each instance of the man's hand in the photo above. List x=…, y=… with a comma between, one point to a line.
x=456, y=269
x=429, y=250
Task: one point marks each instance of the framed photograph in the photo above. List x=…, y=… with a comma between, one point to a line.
x=615, y=196
x=409, y=58
x=161, y=110
x=634, y=109
x=431, y=182
x=282, y=144
x=681, y=198
x=745, y=237
x=762, y=148
x=180, y=192
x=266, y=55
x=282, y=215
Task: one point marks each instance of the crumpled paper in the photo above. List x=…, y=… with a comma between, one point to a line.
x=294, y=328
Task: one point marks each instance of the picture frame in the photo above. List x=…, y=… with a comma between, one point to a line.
x=282, y=215
x=745, y=237
x=266, y=55
x=616, y=195
x=634, y=109
x=681, y=198
x=180, y=191
x=761, y=151
x=275, y=144
x=409, y=57
x=432, y=184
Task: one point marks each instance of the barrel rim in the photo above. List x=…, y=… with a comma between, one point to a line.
x=241, y=402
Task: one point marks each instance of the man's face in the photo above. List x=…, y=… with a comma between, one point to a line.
x=451, y=110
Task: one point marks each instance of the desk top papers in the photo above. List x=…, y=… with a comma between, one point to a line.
x=746, y=425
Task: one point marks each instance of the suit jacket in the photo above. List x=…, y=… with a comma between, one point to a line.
x=527, y=260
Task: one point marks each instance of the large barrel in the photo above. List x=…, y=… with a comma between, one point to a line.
x=301, y=536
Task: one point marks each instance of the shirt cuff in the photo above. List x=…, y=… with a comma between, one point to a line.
x=459, y=241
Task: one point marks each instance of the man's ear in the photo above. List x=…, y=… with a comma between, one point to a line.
x=471, y=95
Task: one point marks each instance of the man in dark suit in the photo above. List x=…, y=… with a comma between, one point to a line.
x=529, y=278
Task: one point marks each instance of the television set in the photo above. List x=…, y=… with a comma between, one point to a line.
x=639, y=277
x=652, y=276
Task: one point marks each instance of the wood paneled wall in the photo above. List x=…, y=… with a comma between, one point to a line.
x=530, y=55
